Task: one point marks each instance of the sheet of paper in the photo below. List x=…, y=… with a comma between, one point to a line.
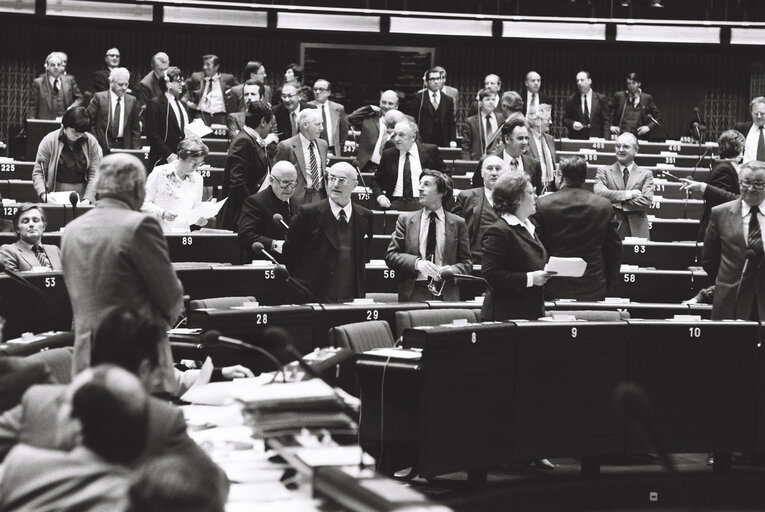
x=566, y=267
x=207, y=210
x=60, y=197
x=220, y=393
x=197, y=128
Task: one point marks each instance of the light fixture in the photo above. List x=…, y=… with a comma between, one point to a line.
x=657, y=3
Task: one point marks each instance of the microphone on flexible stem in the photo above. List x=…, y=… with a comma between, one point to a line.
x=26, y=284
x=447, y=274
x=216, y=339
x=749, y=256
x=258, y=248
x=284, y=274
x=280, y=220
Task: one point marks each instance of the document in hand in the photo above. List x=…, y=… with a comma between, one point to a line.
x=566, y=267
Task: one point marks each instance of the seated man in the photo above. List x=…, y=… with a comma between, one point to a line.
x=28, y=251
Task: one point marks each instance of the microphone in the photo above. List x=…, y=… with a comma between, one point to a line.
x=258, y=248
x=26, y=284
x=73, y=199
x=279, y=219
x=282, y=273
x=355, y=164
x=654, y=120
x=216, y=339
x=749, y=254
x=448, y=274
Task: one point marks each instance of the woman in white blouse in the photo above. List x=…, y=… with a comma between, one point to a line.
x=173, y=190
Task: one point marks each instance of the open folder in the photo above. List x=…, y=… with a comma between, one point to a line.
x=566, y=267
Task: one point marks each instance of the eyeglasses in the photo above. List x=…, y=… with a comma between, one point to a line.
x=622, y=146
x=756, y=185
x=320, y=89
x=289, y=96
x=285, y=184
x=112, y=54
x=339, y=179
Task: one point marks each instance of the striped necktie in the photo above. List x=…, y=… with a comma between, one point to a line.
x=314, y=166
x=42, y=257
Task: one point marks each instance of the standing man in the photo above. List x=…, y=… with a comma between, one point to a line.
x=257, y=224
x=114, y=114
x=117, y=256
x=586, y=112
x=450, y=91
x=754, y=148
x=482, y=131
x=628, y=187
x=308, y=153
x=574, y=222
x=428, y=241
x=476, y=205
x=370, y=119
x=54, y=91
x=733, y=238
x=333, y=117
x=209, y=90
x=252, y=91
x=101, y=77
x=165, y=120
x=542, y=144
x=288, y=112
x=398, y=174
x=153, y=84
x=328, y=241
x=633, y=111
x=532, y=97
x=492, y=83
x=515, y=136
x=435, y=113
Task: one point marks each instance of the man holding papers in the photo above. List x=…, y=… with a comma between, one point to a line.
x=574, y=222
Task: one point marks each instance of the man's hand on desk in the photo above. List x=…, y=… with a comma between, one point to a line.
x=236, y=372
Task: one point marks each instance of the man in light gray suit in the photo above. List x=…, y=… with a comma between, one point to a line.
x=335, y=130
x=29, y=251
x=308, y=153
x=117, y=256
x=114, y=114
x=628, y=187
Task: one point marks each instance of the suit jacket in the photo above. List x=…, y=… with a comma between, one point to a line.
x=46, y=164
x=101, y=80
x=435, y=126
x=283, y=124
x=574, y=222
x=115, y=256
x=474, y=137
x=256, y=223
x=610, y=184
x=723, y=259
x=42, y=92
x=149, y=88
x=404, y=251
x=509, y=253
x=534, y=152
x=469, y=205
x=196, y=83
x=542, y=99
x=366, y=119
x=600, y=118
x=530, y=166
x=339, y=121
x=162, y=130
x=247, y=164
x=292, y=151
x=647, y=106
x=722, y=187
x=100, y=112
x=384, y=180
x=311, y=249
x=19, y=258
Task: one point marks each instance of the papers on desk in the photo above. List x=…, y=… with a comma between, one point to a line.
x=61, y=197
x=197, y=128
x=566, y=267
x=334, y=456
x=220, y=393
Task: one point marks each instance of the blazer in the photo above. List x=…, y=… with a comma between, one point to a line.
x=292, y=151
x=435, y=126
x=404, y=251
x=469, y=205
x=509, y=253
x=256, y=223
x=474, y=137
x=195, y=83
x=247, y=164
x=722, y=187
x=46, y=164
x=384, y=180
x=339, y=121
x=542, y=99
x=18, y=257
x=647, y=107
x=367, y=120
x=101, y=80
x=530, y=166
x=283, y=124
x=149, y=88
x=574, y=222
x=533, y=151
x=311, y=248
x=600, y=117
x=162, y=130
x=100, y=112
x=723, y=259
x=42, y=92
x=610, y=184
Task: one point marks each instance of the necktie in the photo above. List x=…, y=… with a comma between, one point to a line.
x=116, y=119
x=761, y=147
x=293, y=123
x=586, y=110
x=514, y=164
x=314, y=166
x=435, y=101
x=55, y=88
x=407, y=178
x=488, y=130
x=754, y=240
x=342, y=218
x=324, y=134
x=533, y=101
x=181, y=121
x=549, y=165
x=41, y=256
x=626, y=176
x=430, y=248
x=206, y=92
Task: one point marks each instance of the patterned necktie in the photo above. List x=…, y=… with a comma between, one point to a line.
x=342, y=218
x=626, y=176
x=41, y=256
x=549, y=165
x=754, y=240
x=314, y=166
x=206, y=92
x=116, y=119
x=761, y=147
x=408, y=192
x=55, y=87
x=430, y=248
x=514, y=164
x=586, y=110
x=435, y=101
x=488, y=130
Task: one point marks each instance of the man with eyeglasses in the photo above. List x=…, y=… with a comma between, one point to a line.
x=628, y=187
x=288, y=112
x=308, y=153
x=733, y=250
x=328, y=242
x=101, y=77
x=754, y=148
x=165, y=120
x=333, y=116
x=435, y=112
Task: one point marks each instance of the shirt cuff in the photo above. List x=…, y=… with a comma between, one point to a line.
x=529, y=279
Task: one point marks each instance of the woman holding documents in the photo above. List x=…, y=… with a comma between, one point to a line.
x=174, y=190
x=513, y=257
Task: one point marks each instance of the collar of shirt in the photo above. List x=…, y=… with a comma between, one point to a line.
x=214, y=78
x=745, y=208
x=27, y=246
x=439, y=214
x=512, y=220
x=587, y=95
x=489, y=195
x=71, y=143
x=630, y=167
x=52, y=80
x=255, y=136
x=336, y=209
x=306, y=143
x=436, y=93
x=170, y=97
x=113, y=97
x=173, y=170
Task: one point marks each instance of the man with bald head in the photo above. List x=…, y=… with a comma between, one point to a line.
x=531, y=95
x=328, y=242
x=288, y=112
x=114, y=114
x=257, y=224
x=491, y=83
x=101, y=77
x=369, y=119
x=153, y=84
x=307, y=151
x=333, y=116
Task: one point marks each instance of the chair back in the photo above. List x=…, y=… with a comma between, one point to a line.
x=362, y=336
x=219, y=302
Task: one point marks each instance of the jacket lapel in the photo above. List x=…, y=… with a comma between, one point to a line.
x=327, y=224
x=413, y=233
x=523, y=233
x=28, y=256
x=616, y=176
x=449, y=255
x=47, y=91
x=736, y=225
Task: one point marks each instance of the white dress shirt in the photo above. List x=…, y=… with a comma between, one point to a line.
x=414, y=166
x=174, y=106
x=529, y=96
x=512, y=220
x=435, y=97
x=212, y=99
x=587, y=95
x=492, y=122
x=750, y=146
x=440, y=238
x=489, y=195
x=307, y=156
x=745, y=210
x=377, y=153
x=509, y=159
x=335, y=208
x=121, y=121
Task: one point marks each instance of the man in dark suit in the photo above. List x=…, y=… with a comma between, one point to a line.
x=476, y=206
x=482, y=131
x=398, y=174
x=734, y=236
x=435, y=113
x=633, y=111
x=542, y=144
x=428, y=241
x=333, y=116
x=153, y=84
x=328, y=242
x=101, y=77
x=114, y=115
x=493, y=83
x=515, y=138
x=209, y=91
x=288, y=112
x=252, y=91
x=165, y=120
x=308, y=153
x=257, y=224
x=586, y=112
x=754, y=131
x=53, y=92
x=370, y=120
x=531, y=95
x=574, y=222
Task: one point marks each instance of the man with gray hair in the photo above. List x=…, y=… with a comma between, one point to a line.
x=153, y=84
x=307, y=151
x=114, y=114
x=542, y=144
x=53, y=92
x=117, y=256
